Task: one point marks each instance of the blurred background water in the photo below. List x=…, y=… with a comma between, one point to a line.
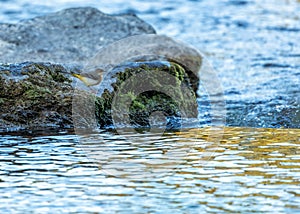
x=254, y=47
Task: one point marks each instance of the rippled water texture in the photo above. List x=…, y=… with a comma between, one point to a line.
x=249, y=170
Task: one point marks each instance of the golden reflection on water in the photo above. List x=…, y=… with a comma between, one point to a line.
x=261, y=163
x=258, y=148
x=253, y=151
x=248, y=167
x=248, y=170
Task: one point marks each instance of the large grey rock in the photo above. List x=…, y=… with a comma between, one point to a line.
x=68, y=36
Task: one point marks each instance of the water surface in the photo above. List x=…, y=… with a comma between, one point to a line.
x=249, y=170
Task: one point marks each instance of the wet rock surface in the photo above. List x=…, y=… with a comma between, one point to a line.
x=35, y=96
x=40, y=95
x=132, y=92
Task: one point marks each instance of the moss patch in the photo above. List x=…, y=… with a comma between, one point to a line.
x=36, y=95
x=170, y=85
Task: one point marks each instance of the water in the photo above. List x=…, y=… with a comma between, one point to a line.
x=250, y=170
x=254, y=48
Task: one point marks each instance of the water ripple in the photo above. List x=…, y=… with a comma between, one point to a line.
x=259, y=168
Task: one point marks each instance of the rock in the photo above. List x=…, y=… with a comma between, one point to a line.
x=131, y=92
x=35, y=96
x=39, y=95
x=148, y=79
x=148, y=47
x=37, y=58
x=68, y=36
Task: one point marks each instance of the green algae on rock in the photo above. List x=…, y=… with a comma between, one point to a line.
x=35, y=95
x=131, y=92
x=40, y=95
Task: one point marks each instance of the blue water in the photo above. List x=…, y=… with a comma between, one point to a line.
x=53, y=173
x=253, y=46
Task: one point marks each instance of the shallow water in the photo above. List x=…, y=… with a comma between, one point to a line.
x=249, y=170
x=254, y=48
